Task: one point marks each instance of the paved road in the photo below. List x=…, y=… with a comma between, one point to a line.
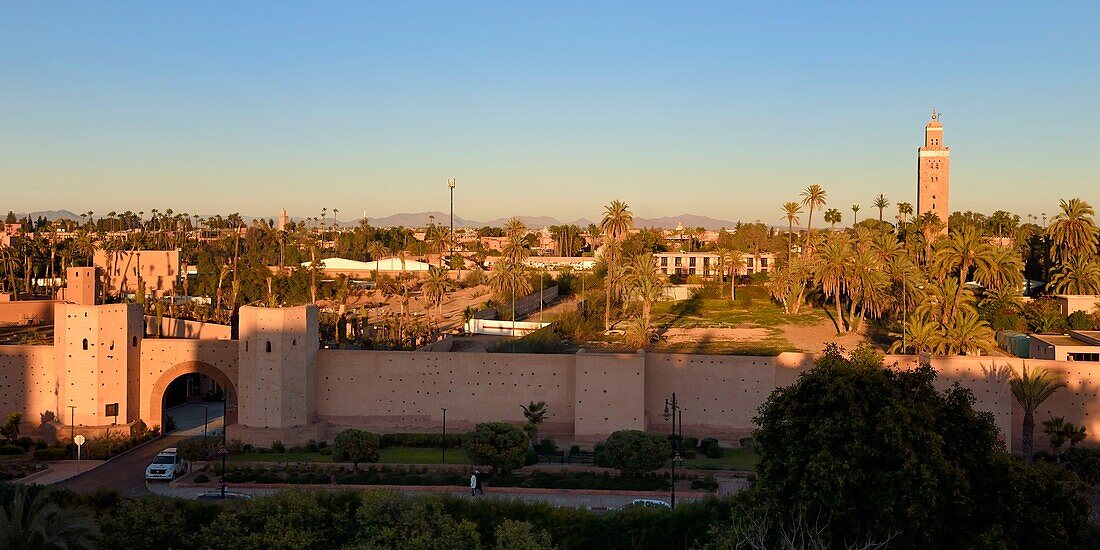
x=126, y=473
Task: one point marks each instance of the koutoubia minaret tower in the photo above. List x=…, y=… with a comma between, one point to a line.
x=933, y=171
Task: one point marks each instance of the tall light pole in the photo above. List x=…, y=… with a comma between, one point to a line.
x=672, y=408
x=451, y=185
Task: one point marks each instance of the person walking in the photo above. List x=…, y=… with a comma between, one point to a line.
x=477, y=483
x=474, y=483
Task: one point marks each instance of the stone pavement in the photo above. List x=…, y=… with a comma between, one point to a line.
x=60, y=471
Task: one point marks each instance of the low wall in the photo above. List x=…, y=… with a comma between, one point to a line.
x=29, y=312
x=184, y=328
x=502, y=328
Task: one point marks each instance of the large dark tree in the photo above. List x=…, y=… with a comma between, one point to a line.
x=877, y=453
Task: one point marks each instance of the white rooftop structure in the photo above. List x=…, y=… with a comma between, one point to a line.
x=387, y=264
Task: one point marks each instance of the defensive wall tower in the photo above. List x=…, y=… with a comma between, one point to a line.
x=277, y=367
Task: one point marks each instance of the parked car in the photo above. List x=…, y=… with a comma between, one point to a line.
x=217, y=495
x=649, y=503
x=167, y=465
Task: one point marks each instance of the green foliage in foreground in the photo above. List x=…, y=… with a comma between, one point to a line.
x=868, y=453
x=377, y=519
x=497, y=444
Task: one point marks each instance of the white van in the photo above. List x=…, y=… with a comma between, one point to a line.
x=166, y=466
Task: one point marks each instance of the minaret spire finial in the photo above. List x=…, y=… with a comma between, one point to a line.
x=935, y=114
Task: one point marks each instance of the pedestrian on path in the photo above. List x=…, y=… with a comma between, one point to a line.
x=474, y=484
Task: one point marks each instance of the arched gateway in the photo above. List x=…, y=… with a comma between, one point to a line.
x=156, y=394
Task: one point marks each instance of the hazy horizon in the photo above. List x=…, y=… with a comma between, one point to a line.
x=714, y=110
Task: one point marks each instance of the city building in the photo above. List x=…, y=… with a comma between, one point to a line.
x=159, y=269
x=1072, y=303
x=706, y=265
x=934, y=172
x=1078, y=345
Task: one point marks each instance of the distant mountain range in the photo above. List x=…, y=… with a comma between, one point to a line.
x=421, y=219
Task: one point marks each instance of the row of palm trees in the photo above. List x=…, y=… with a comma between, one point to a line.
x=918, y=274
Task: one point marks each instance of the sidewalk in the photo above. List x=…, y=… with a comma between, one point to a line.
x=59, y=471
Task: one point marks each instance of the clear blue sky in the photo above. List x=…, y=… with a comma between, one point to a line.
x=719, y=109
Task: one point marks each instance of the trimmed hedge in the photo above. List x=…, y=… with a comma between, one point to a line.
x=420, y=440
x=50, y=453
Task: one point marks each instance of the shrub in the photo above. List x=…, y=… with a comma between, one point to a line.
x=634, y=452
x=356, y=446
x=746, y=442
x=10, y=427
x=530, y=458
x=278, y=447
x=715, y=451
x=25, y=442
x=311, y=447
x=497, y=444
x=547, y=446
x=196, y=448
x=707, y=484
x=574, y=449
x=1079, y=320
x=326, y=451
x=707, y=443
x=50, y=453
x=40, y=444
x=11, y=450
x=690, y=443
x=202, y=478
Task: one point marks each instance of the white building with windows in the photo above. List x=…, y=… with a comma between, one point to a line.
x=706, y=264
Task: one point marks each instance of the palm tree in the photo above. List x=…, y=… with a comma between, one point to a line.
x=37, y=522
x=1077, y=275
x=435, y=287
x=968, y=335
x=922, y=336
x=830, y=270
x=377, y=251
x=882, y=203
x=535, y=414
x=791, y=210
x=855, y=214
x=646, y=284
x=832, y=216
x=1072, y=233
x=1002, y=267
x=515, y=228
x=812, y=197
x=617, y=221
x=905, y=210
x=1031, y=388
x=961, y=250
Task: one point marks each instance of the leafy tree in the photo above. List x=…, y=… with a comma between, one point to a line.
x=634, y=452
x=878, y=453
x=10, y=428
x=356, y=446
x=389, y=520
x=1030, y=388
x=499, y=445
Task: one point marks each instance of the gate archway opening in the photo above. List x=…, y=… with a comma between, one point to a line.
x=190, y=395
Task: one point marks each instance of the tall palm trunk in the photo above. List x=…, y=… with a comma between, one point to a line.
x=1028, y=434
x=790, y=230
x=841, y=327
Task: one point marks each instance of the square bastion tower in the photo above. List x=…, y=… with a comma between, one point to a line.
x=97, y=355
x=277, y=356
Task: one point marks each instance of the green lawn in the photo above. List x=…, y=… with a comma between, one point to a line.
x=389, y=455
x=761, y=311
x=733, y=459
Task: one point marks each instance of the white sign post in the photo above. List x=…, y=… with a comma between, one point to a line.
x=79, y=440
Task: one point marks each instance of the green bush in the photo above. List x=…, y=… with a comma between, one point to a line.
x=715, y=451
x=690, y=443
x=326, y=451
x=574, y=449
x=11, y=450
x=278, y=447
x=707, y=443
x=202, y=478
x=40, y=444
x=50, y=453
x=497, y=444
x=420, y=440
x=634, y=452
x=197, y=448
x=707, y=484
x=356, y=446
x=25, y=442
x=312, y=447
x=746, y=442
x=1079, y=320
x=547, y=446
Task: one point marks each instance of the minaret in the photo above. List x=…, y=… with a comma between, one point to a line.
x=933, y=171
x=283, y=220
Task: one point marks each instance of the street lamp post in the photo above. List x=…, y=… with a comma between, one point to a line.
x=205, y=423
x=444, y=443
x=224, y=451
x=72, y=422
x=672, y=408
x=451, y=184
